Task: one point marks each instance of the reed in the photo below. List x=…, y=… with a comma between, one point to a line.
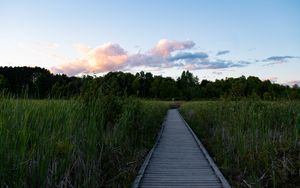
x=74, y=143
x=255, y=143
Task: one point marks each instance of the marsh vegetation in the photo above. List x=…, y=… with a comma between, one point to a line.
x=255, y=143
x=75, y=143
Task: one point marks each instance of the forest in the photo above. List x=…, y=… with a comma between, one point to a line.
x=39, y=83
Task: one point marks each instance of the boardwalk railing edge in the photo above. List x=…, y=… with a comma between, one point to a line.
x=141, y=172
x=207, y=156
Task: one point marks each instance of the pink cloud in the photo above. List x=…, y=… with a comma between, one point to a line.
x=164, y=47
x=293, y=82
x=107, y=57
x=165, y=54
x=72, y=67
x=112, y=57
x=82, y=49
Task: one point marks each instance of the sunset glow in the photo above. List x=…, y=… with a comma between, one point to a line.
x=214, y=40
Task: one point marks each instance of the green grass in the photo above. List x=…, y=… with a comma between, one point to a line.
x=63, y=143
x=254, y=143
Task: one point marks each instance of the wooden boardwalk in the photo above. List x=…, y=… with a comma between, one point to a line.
x=178, y=159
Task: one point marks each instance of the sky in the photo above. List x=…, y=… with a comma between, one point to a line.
x=213, y=39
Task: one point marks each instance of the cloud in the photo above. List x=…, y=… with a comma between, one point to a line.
x=272, y=79
x=217, y=73
x=188, y=55
x=278, y=59
x=293, y=82
x=82, y=49
x=216, y=64
x=72, y=68
x=223, y=52
x=165, y=54
x=164, y=47
x=107, y=57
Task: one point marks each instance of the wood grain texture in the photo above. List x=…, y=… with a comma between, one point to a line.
x=177, y=159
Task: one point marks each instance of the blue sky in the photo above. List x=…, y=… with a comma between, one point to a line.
x=259, y=38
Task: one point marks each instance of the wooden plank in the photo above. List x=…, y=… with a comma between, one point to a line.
x=141, y=172
x=177, y=159
x=210, y=160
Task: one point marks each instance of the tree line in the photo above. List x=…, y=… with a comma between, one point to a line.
x=36, y=82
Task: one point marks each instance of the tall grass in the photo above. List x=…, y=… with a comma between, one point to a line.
x=255, y=143
x=75, y=143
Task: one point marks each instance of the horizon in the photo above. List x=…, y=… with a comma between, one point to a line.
x=175, y=78
x=212, y=40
